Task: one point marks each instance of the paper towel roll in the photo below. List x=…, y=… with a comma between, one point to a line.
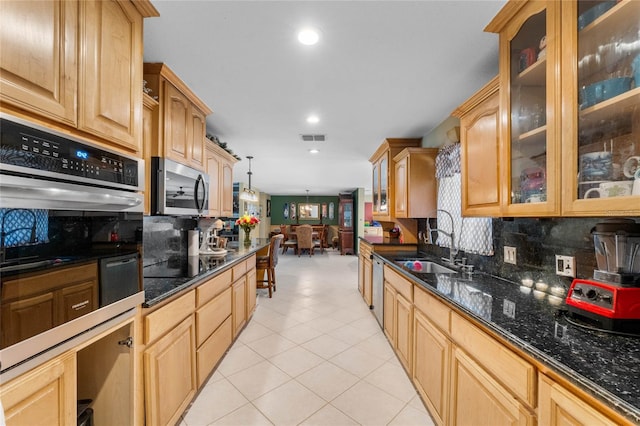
x=194, y=243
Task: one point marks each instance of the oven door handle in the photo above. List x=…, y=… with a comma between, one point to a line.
x=23, y=192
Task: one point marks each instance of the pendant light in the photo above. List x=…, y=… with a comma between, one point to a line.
x=247, y=193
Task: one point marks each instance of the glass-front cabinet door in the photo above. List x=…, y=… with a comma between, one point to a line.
x=601, y=107
x=529, y=71
x=384, y=184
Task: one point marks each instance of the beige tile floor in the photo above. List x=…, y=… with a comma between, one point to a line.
x=311, y=355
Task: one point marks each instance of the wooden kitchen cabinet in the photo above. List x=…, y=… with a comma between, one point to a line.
x=600, y=134
x=530, y=107
x=239, y=305
x=432, y=351
x=170, y=374
x=383, y=184
x=181, y=118
x=365, y=273
x=149, y=137
x=477, y=399
x=568, y=105
x=559, y=406
x=244, y=293
x=398, y=315
x=36, y=302
x=45, y=395
x=219, y=166
x=480, y=152
x=416, y=187
x=78, y=64
x=251, y=291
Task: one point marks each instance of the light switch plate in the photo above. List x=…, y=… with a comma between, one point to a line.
x=510, y=255
x=509, y=308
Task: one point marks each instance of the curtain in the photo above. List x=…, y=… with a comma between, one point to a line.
x=472, y=234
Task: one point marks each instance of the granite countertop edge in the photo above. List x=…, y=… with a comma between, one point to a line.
x=624, y=408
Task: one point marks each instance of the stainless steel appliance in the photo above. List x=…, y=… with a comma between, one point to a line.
x=64, y=201
x=119, y=277
x=377, y=292
x=611, y=300
x=177, y=189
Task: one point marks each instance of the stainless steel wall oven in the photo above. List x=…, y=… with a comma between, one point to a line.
x=67, y=206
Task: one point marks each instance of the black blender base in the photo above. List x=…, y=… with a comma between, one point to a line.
x=604, y=323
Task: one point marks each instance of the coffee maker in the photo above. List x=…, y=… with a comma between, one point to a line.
x=611, y=300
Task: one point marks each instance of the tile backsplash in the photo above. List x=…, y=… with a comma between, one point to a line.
x=537, y=241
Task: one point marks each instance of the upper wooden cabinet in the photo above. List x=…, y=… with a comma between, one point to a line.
x=181, y=118
x=579, y=105
x=601, y=107
x=219, y=167
x=416, y=188
x=530, y=107
x=384, y=176
x=78, y=64
x=480, y=151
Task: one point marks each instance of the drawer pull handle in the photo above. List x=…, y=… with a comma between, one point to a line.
x=80, y=305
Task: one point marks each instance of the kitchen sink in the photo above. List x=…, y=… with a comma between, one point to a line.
x=424, y=266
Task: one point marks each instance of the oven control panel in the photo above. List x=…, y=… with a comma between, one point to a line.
x=52, y=155
x=592, y=294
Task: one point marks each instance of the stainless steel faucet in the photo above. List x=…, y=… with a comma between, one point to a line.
x=452, y=250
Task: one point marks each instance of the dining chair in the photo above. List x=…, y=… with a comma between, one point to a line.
x=305, y=239
x=288, y=242
x=319, y=241
x=266, y=263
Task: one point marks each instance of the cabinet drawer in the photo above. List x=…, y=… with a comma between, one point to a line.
x=512, y=371
x=213, y=287
x=213, y=349
x=239, y=270
x=164, y=319
x=397, y=281
x=211, y=315
x=436, y=311
x=41, y=282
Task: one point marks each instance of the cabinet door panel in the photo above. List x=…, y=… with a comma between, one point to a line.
x=111, y=72
x=367, y=281
x=239, y=305
x=431, y=355
x=170, y=374
x=26, y=318
x=227, y=189
x=38, y=67
x=176, y=123
x=404, y=325
x=477, y=399
x=214, y=167
x=389, y=313
x=44, y=396
x=197, y=139
x=77, y=300
x=401, y=183
x=251, y=292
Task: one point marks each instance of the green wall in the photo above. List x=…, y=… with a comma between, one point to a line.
x=278, y=202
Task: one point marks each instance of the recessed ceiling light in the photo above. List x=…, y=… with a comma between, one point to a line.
x=313, y=151
x=313, y=119
x=308, y=36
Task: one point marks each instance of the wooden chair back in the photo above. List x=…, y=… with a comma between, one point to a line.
x=304, y=237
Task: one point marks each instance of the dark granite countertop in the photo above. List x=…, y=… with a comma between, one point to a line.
x=165, y=279
x=603, y=364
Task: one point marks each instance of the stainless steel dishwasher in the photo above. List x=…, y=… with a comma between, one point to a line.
x=377, y=292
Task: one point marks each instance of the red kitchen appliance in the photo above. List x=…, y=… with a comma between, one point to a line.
x=611, y=300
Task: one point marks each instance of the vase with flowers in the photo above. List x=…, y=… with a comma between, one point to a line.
x=247, y=223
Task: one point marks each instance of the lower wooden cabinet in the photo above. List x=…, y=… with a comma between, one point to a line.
x=251, y=291
x=431, y=366
x=365, y=272
x=170, y=374
x=398, y=315
x=404, y=331
x=559, y=406
x=239, y=303
x=212, y=350
x=44, y=396
x=477, y=399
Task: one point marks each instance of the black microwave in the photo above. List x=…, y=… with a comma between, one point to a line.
x=178, y=190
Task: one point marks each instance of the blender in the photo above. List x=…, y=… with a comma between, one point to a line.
x=611, y=300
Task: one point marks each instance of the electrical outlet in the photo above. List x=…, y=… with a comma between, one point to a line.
x=509, y=308
x=565, y=266
x=510, y=255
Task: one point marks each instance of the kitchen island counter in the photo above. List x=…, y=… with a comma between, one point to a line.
x=179, y=273
x=602, y=364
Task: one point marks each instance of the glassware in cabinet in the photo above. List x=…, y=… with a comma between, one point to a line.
x=530, y=87
x=602, y=123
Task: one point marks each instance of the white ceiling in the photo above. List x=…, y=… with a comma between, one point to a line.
x=381, y=69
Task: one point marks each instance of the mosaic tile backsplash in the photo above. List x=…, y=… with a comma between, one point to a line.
x=537, y=241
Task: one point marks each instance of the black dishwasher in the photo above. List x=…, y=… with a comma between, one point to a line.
x=119, y=278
